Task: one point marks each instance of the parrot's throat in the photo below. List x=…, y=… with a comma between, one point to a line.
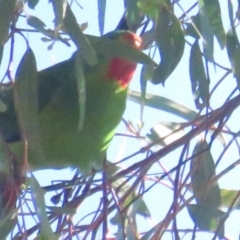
x=121, y=70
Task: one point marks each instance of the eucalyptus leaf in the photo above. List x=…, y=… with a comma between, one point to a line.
x=202, y=172
x=101, y=15
x=199, y=82
x=59, y=8
x=206, y=217
x=26, y=99
x=170, y=45
x=233, y=50
x=211, y=13
x=38, y=196
x=81, y=41
x=32, y=3
x=7, y=8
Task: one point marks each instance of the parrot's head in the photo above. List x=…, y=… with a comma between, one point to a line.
x=121, y=70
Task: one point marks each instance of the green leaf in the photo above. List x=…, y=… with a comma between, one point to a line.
x=164, y=133
x=231, y=15
x=164, y=104
x=167, y=105
x=233, y=50
x=207, y=37
x=38, y=196
x=193, y=28
x=4, y=157
x=211, y=13
x=59, y=8
x=227, y=198
x=81, y=90
x=101, y=15
x=202, y=171
x=1, y=52
x=134, y=17
x=3, y=106
x=199, y=82
x=170, y=45
x=63, y=210
x=7, y=223
x=39, y=25
x=146, y=74
x=32, y=3
x=26, y=101
x=80, y=40
x=36, y=23
x=205, y=217
x=153, y=8
x=137, y=207
x=140, y=208
x=111, y=48
x=7, y=8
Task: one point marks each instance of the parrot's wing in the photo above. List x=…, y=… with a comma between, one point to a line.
x=50, y=81
x=9, y=128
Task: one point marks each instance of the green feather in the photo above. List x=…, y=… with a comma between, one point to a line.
x=63, y=144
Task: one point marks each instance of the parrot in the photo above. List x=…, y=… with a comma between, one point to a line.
x=63, y=144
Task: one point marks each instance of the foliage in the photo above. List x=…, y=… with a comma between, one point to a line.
x=188, y=156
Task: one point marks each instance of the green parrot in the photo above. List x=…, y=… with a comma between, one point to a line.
x=62, y=143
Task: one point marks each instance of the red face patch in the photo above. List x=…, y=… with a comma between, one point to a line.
x=121, y=69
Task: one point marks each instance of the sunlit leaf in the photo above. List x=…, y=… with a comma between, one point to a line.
x=228, y=196
x=164, y=104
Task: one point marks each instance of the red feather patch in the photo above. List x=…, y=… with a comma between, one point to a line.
x=121, y=69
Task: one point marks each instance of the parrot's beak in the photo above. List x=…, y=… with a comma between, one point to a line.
x=133, y=40
x=138, y=42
